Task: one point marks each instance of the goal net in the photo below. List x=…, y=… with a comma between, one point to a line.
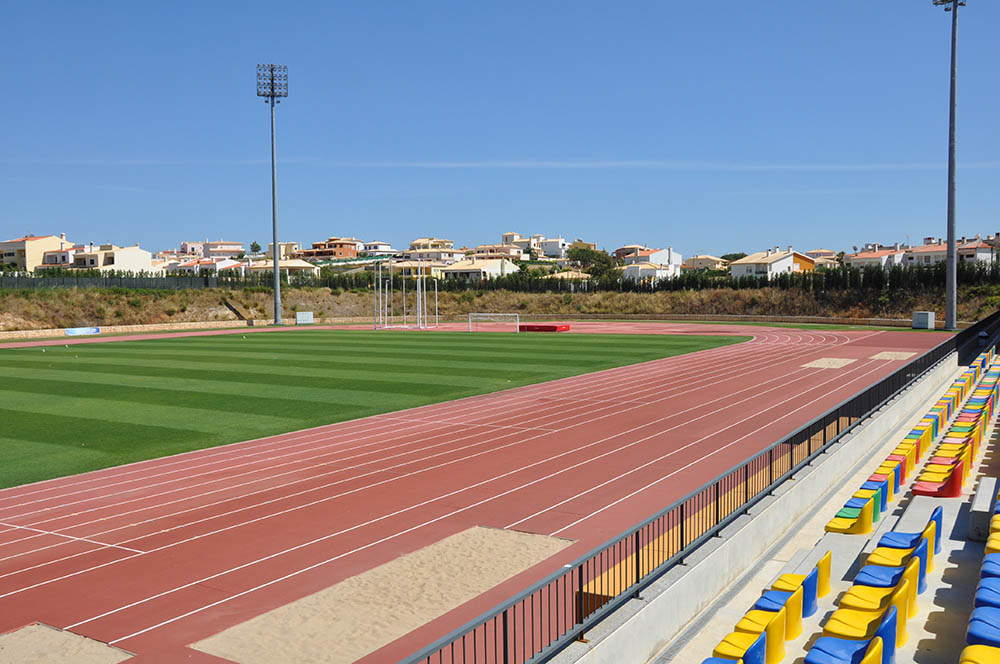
x=480, y=322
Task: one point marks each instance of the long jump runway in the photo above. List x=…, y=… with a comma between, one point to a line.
x=156, y=555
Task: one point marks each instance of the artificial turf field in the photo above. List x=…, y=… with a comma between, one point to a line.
x=72, y=409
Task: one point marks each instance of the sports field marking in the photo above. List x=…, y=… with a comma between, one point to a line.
x=366, y=546
x=539, y=462
x=269, y=469
x=70, y=537
x=892, y=355
x=39, y=643
x=102, y=475
x=361, y=424
x=202, y=506
x=830, y=362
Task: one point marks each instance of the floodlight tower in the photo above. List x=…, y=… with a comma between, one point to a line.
x=272, y=83
x=951, y=268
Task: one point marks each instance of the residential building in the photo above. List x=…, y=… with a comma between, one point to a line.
x=876, y=254
x=821, y=253
x=223, y=249
x=476, y=270
x=61, y=257
x=659, y=256
x=433, y=249
x=332, y=247
x=108, y=257
x=286, y=250
x=650, y=271
x=931, y=251
x=378, y=248
x=621, y=252
x=706, y=262
x=509, y=251
x=201, y=265
x=827, y=263
x=359, y=245
x=554, y=247
x=975, y=249
x=28, y=253
x=291, y=266
x=772, y=262
x=580, y=244
x=193, y=248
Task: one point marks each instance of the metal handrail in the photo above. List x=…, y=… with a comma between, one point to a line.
x=497, y=621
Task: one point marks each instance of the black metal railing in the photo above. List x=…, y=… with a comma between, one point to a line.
x=539, y=622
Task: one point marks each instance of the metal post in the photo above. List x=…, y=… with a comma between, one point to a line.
x=403, y=279
x=274, y=219
x=951, y=278
x=435, y=303
x=272, y=82
x=638, y=564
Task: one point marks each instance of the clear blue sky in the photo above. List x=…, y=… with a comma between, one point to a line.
x=710, y=126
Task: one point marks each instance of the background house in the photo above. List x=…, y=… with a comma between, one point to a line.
x=28, y=253
x=706, y=262
x=108, y=257
x=770, y=263
x=475, y=269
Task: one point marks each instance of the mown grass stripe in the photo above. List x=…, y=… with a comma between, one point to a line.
x=90, y=406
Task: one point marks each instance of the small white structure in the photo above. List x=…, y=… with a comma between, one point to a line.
x=659, y=256
x=475, y=269
x=923, y=320
x=303, y=318
x=554, y=247
x=378, y=248
x=650, y=271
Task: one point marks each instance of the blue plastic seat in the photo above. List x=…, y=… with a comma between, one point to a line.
x=988, y=593
x=719, y=660
x=991, y=566
x=898, y=540
x=888, y=577
x=831, y=650
x=984, y=627
x=872, y=485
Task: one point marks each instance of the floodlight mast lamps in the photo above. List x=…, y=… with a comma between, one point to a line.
x=951, y=272
x=272, y=83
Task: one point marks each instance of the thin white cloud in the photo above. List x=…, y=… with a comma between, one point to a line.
x=653, y=164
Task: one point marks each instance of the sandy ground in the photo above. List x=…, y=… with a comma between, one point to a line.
x=892, y=355
x=830, y=363
x=40, y=644
x=359, y=615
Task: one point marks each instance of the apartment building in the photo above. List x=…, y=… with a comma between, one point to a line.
x=433, y=249
x=332, y=247
x=28, y=253
x=509, y=251
x=108, y=257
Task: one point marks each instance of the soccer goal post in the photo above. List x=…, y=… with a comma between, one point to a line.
x=482, y=322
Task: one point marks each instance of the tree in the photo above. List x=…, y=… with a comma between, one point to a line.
x=254, y=248
x=733, y=257
x=596, y=263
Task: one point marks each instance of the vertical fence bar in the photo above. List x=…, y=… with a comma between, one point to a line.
x=638, y=563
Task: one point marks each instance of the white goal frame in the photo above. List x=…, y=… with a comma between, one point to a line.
x=481, y=317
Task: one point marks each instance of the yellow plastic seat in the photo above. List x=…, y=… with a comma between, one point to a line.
x=995, y=523
x=873, y=655
x=772, y=624
x=789, y=582
x=736, y=644
x=979, y=655
x=993, y=543
x=859, y=526
x=860, y=625
x=869, y=598
x=888, y=557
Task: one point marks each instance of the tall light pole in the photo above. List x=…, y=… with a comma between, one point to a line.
x=951, y=268
x=272, y=82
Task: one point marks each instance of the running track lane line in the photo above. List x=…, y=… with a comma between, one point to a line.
x=315, y=565
x=77, y=539
x=407, y=509
x=359, y=422
x=344, y=469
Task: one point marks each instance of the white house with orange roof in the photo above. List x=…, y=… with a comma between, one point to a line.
x=876, y=254
x=930, y=252
x=975, y=249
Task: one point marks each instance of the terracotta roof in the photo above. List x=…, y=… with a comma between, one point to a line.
x=876, y=254
x=976, y=244
x=927, y=248
x=29, y=238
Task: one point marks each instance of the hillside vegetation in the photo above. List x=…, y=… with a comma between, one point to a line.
x=58, y=307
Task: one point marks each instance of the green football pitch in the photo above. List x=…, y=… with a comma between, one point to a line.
x=73, y=409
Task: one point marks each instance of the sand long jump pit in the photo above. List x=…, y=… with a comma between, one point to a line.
x=359, y=615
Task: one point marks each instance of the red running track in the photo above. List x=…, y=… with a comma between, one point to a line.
x=159, y=554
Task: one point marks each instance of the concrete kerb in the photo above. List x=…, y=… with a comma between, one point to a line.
x=643, y=627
